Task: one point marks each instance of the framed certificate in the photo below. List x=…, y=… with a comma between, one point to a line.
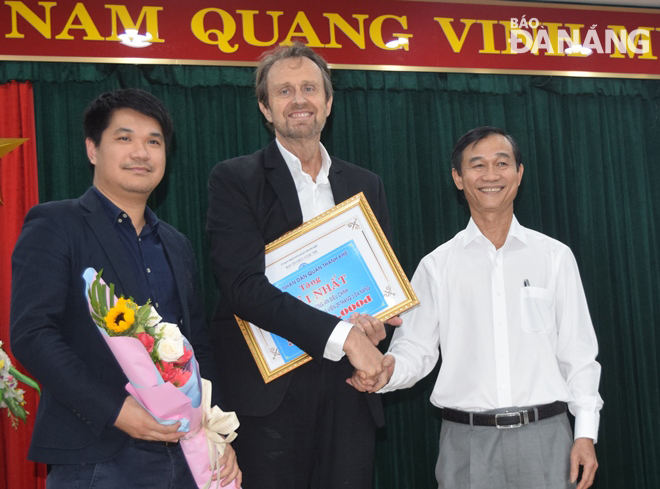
x=339, y=262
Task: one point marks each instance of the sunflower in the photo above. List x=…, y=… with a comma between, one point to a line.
x=121, y=317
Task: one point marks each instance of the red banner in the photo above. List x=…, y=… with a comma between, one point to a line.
x=493, y=37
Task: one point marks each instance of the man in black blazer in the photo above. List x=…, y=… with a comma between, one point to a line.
x=87, y=426
x=308, y=428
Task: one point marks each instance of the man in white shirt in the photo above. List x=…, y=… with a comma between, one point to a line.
x=308, y=428
x=506, y=306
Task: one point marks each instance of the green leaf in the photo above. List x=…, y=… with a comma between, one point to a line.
x=103, y=300
x=92, y=298
x=98, y=319
x=93, y=292
x=15, y=407
x=143, y=313
x=112, y=296
x=21, y=377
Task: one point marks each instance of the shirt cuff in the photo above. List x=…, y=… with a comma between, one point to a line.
x=334, y=348
x=586, y=425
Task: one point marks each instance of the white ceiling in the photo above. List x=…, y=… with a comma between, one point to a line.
x=626, y=3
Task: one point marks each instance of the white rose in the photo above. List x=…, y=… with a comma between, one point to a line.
x=154, y=318
x=5, y=362
x=169, y=331
x=170, y=350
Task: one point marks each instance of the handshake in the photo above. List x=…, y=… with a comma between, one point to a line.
x=372, y=369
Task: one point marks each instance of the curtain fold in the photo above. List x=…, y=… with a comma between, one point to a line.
x=19, y=193
x=590, y=148
x=215, y=76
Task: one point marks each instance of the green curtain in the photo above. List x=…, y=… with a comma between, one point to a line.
x=590, y=149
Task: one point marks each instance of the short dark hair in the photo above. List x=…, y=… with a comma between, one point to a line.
x=98, y=113
x=473, y=136
x=296, y=50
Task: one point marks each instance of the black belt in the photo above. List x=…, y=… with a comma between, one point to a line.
x=513, y=419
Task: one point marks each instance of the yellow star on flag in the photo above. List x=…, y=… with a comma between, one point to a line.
x=6, y=145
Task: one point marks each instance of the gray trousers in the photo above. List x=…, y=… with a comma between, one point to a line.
x=534, y=456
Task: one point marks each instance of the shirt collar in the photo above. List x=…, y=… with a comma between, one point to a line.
x=472, y=232
x=114, y=213
x=295, y=166
x=151, y=221
x=517, y=231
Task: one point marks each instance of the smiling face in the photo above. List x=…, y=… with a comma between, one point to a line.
x=130, y=159
x=297, y=105
x=489, y=178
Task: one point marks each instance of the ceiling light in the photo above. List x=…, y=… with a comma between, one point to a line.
x=395, y=43
x=578, y=49
x=132, y=39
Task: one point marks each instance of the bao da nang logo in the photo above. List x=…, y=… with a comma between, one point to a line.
x=614, y=40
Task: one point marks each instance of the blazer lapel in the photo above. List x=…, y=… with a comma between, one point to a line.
x=179, y=269
x=338, y=182
x=280, y=178
x=108, y=240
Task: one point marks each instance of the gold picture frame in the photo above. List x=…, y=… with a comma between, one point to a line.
x=339, y=262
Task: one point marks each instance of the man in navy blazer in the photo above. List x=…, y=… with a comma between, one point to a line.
x=87, y=426
x=308, y=428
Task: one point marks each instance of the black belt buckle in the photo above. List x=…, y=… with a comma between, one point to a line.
x=523, y=418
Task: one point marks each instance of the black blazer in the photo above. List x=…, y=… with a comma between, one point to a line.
x=54, y=337
x=253, y=201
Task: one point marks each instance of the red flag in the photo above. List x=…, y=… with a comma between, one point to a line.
x=19, y=190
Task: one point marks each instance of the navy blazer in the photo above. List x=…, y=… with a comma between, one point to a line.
x=54, y=337
x=253, y=201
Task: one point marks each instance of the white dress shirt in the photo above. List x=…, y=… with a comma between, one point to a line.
x=316, y=198
x=512, y=324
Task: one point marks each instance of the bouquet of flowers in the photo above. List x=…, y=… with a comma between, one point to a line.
x=163, y=375
x=11, y=396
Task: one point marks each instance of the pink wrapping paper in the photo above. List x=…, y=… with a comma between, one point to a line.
x=165, y=402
